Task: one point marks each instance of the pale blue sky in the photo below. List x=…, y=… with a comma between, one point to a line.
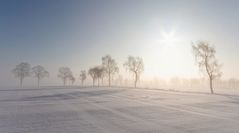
x=77, y=34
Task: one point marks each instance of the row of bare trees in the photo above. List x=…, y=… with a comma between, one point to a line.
x=65, y=74
x=97, y=73
x=109, y=68
x=24, y=70
x=204, y=56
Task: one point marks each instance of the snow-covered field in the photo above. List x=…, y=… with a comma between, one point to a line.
x=115, y=110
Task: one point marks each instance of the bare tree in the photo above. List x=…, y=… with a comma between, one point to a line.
x=21, y=71
x=72, y=79
x=39, y=72
x=134, y=65
x=205, y=58
x=103, y=75
x=92, y=73
x=64, y=73
x=99, y=70
x=83, y=77
x=110, y=67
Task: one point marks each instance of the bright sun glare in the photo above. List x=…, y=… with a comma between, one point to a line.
x=168, y=38
x=169, y=53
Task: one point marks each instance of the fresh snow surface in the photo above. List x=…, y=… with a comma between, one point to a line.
x=115, y=110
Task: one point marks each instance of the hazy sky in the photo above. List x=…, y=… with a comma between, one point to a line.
x=75, y=33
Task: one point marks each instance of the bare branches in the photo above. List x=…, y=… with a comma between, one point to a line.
x=92, y=73
x=205, y=58
x=64, y=73
x=97, y=73
x=39, y=72
x=134, y=65
x=110, y=67
x=72, y=79
x=82, y=77
x=21, y=71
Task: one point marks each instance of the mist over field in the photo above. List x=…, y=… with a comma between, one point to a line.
x=120, y=66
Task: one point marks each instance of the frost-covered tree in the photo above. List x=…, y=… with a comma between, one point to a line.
x=103, y=75
x=83, y=77
x=92, y=73
x=72, y=79
x=64, y=74
x=22, y=71
x=134, y=65
x=205, y=58
x=110, y=67
x=39, y=72
x=99, y=70
x=96, y=73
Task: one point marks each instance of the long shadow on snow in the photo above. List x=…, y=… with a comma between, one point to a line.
x=45, y=88
x=67, y=96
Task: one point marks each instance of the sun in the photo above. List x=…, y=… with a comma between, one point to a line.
x=168, y=38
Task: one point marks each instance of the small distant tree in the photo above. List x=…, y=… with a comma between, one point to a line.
x=72, y=79
x=92, y=73
x=205, y=58
x=99, y=70
x=110, y=67
x=39, y=72
x=83, y=77
x=134, y=65
x=103, y=75
x=22, y=71
x=64, y=73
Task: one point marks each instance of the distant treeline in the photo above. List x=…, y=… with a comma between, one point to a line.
x=99, y=73
x=203, y=52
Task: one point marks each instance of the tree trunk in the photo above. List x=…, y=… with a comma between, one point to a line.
x=21, y=81
x=98, y=82
x=109, y=80
x=38, y=82
x=211, y=86
x=136, y=79
x=64, y=82
x=93, y=82
x=209, y=75
x=82, y=82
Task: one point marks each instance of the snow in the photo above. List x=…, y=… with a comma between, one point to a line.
x=115, y=110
